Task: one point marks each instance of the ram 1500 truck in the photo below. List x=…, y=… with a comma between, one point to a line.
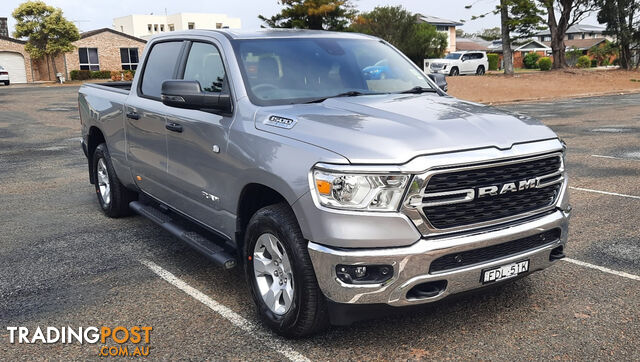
x=335, y=189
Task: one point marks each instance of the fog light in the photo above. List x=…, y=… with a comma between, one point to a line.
x=364, y=274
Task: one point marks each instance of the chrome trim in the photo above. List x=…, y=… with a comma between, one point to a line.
x=411, y=263
x=419, y=183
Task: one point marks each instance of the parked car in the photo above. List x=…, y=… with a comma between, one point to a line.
x=456, y=63
x=334, y=191
x=4, y=76
x=381, y=70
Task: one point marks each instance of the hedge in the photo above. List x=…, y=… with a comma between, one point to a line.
x=119, y=75
x=544, y=63
x=88, y=74
x=494, y=59
x=583, y=62
x=531, y=60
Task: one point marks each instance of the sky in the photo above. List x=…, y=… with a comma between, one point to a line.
x=92, y=14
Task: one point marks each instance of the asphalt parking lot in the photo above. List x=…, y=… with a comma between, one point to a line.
x=62, y=263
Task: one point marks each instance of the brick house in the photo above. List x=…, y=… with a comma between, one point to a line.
x=101, y=49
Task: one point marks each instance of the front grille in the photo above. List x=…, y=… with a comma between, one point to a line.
x=489, y=253
x=488, y=208
x=437, y=65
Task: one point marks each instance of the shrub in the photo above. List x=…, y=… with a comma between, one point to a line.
x=494, y=59
x=80, y=74
x=605, y=62
x=544, y=63
x=583, y=62
x=122, y=75
x=101, y=74
x=616, y=62
x=594, y=63
x=531, y=60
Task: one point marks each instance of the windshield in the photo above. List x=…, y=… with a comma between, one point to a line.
x=453, y=56
x=286, y=71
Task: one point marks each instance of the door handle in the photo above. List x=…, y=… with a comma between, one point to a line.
x=133, y=115
x=174, y=127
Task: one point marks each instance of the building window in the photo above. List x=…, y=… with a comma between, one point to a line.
x=570, y=36
x=442, y=28
x=192, y=26
x=129, y=58
x=583, y=35
x=161, y=27
x=155, y=27
x=88, y=58
x=149, y=27
x=218, y=25
x=172, y=27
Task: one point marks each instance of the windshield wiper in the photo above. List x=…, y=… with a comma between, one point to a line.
x=345, y=94
x=419, y=90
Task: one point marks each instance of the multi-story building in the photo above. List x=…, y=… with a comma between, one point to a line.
x=4, y=29
x=144, y=26
x=442, y=25
x=576, y=32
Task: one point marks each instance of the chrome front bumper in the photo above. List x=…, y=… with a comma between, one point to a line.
x=411, y=264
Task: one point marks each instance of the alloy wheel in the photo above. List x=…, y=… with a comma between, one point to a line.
x=273, y=273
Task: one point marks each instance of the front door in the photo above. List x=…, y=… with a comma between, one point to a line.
x=197, y=143
x=145, y=122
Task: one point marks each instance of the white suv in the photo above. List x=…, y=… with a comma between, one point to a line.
x=456, y=63
x=4, y=76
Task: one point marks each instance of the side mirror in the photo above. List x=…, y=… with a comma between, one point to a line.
x=188, y=94
x=440, y=80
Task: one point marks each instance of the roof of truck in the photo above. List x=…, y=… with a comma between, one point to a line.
x=270, y=33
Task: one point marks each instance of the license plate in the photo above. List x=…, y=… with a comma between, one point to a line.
x=504, y=272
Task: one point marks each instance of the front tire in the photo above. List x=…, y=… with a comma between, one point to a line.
x=113, y=197
x=280, y=274
x=454, y=72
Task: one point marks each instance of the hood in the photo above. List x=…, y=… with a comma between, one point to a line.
x=395, y=128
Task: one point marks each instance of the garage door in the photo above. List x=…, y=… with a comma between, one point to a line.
x=14, y=63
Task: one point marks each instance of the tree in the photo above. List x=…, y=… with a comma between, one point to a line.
x=490, y=34
x=48, y=33
x=562, y=14
x=602, y=52
x=518, y=19
x=623, y=20
x=400, y=28
x=312, y=14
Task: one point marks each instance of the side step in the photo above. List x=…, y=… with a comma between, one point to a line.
x=213, y=251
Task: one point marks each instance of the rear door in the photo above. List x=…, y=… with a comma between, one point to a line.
x=145, y=124
x=197, y=147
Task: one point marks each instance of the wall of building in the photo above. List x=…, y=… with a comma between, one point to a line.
x=452, y=39
x=108, y=45
x=18, y=47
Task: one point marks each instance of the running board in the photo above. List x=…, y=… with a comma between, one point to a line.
x=213, y=251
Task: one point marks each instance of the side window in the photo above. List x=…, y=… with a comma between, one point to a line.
x=204, y=64
x=465, y=57
x=159, y=67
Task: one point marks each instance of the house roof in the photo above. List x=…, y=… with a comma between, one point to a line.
x=582, y=44
x=472, y=44
x=89, y=33
x=7, y=38
x=433, y=20
x=533, y=44
x=578, y=28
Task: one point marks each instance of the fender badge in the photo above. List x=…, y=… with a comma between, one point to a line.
x=280, y=122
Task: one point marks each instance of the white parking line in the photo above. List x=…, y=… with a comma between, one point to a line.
x=614, y=158
x=603, y=269
x=605, y=192
x=267, y=338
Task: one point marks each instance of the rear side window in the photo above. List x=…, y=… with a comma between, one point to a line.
x=160, y=67
x=204, y=64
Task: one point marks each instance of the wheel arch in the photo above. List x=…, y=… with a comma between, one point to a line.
x=94, y=138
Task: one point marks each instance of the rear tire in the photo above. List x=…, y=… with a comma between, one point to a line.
x=306, y=312
x=113, y=197
x=454, y=72
x=6, y=82
x=480, y=70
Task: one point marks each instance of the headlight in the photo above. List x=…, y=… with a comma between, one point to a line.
x=358, y=191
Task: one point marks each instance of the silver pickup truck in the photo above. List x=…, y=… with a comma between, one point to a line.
x=327, y=166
